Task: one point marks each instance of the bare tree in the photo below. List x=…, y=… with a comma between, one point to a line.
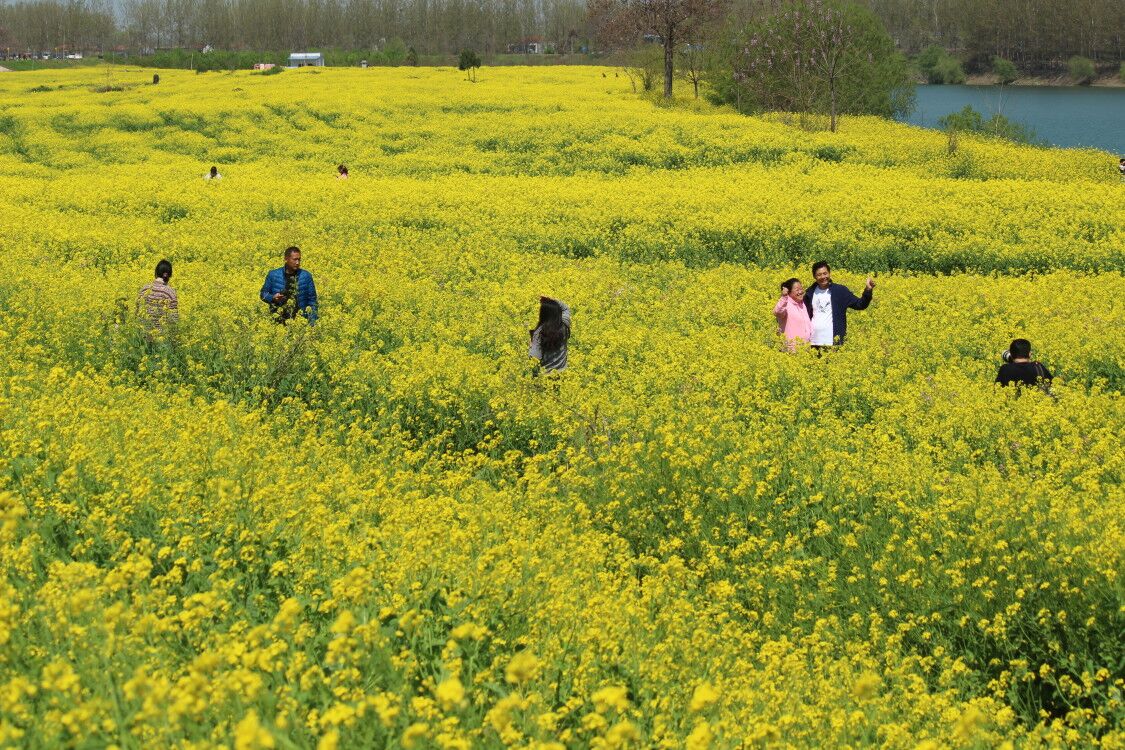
x=692, y=66
x=625, y=22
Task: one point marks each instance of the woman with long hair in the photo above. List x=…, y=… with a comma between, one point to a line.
x=550, y=335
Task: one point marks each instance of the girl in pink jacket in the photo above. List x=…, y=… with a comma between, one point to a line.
x=793, y=320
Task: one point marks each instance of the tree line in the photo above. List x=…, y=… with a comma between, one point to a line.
x=1037, y=35
x=429, y=26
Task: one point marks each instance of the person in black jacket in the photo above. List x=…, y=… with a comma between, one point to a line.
x=1019, y=368
x=828, y=305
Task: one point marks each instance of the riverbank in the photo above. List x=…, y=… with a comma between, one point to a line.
x=1064, y=116
x=988, y=79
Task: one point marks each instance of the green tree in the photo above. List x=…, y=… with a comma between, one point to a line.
x=929, y=58
x=1005, y=70
x=948, y=71
x=394, y=51
x=829, y=57
x=469, y=61
x=937, y=66
x=1082, y=70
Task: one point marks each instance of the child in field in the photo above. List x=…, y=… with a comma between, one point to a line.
x=549, y=337
x=793, y=320
x=341, y=172
x=157, y=302
x=1121, y=167
x=213, y=174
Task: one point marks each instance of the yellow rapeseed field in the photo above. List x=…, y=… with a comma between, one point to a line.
x=382, y=531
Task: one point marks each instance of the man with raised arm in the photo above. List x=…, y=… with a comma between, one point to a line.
x=828, y=305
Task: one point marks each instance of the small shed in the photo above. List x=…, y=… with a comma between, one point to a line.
x=302, y=59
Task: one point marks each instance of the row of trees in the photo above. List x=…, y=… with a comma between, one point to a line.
x=45, y=25
x=430, y=26
x=1037, y=35
x=829, y=57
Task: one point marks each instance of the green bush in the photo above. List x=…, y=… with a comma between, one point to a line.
x=1082, y=70
x=394, y=51
x=1121, y=73
x=938, y=66
x=947, y=71
x=929, y=58
x=968, y=120
x=1005, y=70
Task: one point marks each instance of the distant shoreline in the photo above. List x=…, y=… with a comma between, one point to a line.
x=987, y=79
x=1112, y=80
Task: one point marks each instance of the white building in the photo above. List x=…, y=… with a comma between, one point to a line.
x=301, y=59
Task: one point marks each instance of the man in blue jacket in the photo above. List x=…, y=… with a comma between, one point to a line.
x=289, y=290
x=828, y=306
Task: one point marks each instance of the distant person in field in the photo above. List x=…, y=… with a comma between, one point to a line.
x=213, y=174
x=1020, y=369
x=289, y=290
x=1121, y=167
x=550, y=335
x=793, y=321
x=341, y=172
x=828, y=306
x=157, y=303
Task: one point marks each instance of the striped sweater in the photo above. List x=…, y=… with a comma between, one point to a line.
x=157, y=302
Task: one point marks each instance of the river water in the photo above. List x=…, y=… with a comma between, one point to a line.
x=1067, y=116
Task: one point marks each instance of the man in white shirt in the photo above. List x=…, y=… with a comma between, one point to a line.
x=828, y=305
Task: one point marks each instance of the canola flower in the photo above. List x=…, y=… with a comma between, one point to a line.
x=382, y=532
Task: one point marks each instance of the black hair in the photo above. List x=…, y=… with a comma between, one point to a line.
x=552, y=330
x=787, y=285
x=214, y=170
x=291, y=249
x=164, y=270
x=820, y=264
x=342, y=169
x=1020, y=349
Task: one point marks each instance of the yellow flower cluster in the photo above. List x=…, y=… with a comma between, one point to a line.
x=383, y=531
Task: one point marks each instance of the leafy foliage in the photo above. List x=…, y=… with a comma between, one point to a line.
x=1004, y=70
x=939, y=67
x=469, y=61
x=1082, y=69
x=968, y=120
x=820, y=56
